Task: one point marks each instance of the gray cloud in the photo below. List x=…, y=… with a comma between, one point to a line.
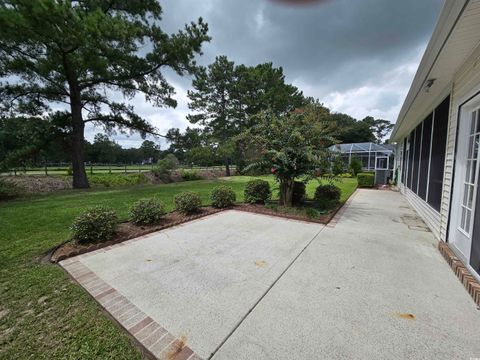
x=356, y=56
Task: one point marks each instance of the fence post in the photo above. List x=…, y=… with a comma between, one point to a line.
x=91, y=169
x=109, y=168
x=125, y=168
x=15, y=171
x=139, y=168
x=46, y=169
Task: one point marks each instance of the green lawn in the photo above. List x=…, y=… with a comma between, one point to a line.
x=43, y=315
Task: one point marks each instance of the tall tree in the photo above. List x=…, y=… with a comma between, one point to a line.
x=75, y=53
x=352, y=131
x=380, y=128
x=225, y=97
x=214, y=103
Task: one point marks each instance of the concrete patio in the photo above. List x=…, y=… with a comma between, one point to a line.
x=241, y=286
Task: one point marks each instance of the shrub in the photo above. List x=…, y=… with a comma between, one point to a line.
x=164, y=166
x=95, y=225
x=147, y=212
x=312, y=213
x=113, y=180
x=8, y=190
x=355, y=165
x=189, y=175
x=223, y=196
x=366, y=179
x=327, y=196
x=299, y=192
x=257, y=190
x=187, y=202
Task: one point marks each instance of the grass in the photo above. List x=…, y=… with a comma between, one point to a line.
x=43, y=314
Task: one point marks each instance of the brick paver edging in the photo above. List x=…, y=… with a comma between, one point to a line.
x=463, y=274
x=110, y=243
x=156, y=340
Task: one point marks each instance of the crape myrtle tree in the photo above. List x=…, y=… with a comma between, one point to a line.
x=82, y=55
x=225, y=97
x=294, y=145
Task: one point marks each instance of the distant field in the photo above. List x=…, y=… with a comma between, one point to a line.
x=96, y=169
x=44, y=315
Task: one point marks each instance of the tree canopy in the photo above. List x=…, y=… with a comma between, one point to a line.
x=75, y=54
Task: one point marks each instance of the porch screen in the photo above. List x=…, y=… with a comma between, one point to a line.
x=439, y=145
x=416, y=157
x=425, y=157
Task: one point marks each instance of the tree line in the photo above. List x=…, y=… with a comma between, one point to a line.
x=66, y=64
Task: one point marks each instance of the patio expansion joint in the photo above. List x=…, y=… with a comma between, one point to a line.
x=155, y=341
x=244, y=317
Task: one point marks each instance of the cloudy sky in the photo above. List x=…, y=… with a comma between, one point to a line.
x=356, y=56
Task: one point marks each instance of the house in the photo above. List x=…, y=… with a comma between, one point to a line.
x=378, y=158
x=438, y=133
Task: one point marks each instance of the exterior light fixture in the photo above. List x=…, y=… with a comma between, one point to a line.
x=428, y=84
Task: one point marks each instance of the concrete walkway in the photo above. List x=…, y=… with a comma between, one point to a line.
x=372, y=287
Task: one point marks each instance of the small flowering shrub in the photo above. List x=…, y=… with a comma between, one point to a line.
x=299, y=192
x=257, y=191
x=147, y=212
x=223, y=196
x=187, y=202
x=327, y=196
x=95, y=225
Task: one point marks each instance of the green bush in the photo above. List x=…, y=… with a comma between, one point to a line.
x=257, y=191
x=95, y=225
x=299, y=192
x=187, y=202
x=346, y=176
x=147, y=211
x=312, y=213
x=355, y=165
x=223, y=196
x=8, y=190
x=189, y=175
x=366, y=180
x=327, y=196
x=164, y=166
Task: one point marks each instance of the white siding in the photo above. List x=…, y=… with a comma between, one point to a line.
x=428, y=214
x=466, y=83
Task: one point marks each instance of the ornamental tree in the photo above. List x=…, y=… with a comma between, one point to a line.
x=294, y=146
x=82, y=55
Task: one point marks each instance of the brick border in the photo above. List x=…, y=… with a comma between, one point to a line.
x=157, y=342
x=469, y=282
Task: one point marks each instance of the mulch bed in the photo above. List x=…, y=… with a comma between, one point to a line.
x=127, y=230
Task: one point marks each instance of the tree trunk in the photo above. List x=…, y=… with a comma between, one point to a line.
x=286, y=192
x=80, y=180
x=227, y=166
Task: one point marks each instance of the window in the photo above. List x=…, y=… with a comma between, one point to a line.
x=471, y=174
x=382, y=163
x=404, y=165
x=411, y=142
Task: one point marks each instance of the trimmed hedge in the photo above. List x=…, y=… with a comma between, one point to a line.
x=147, y=212
x=366, y=180
x=223, y=196
x=187, y=202
x=95, y=225
x=327, y=196
x=257, y=191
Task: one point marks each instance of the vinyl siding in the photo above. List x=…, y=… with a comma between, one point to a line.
x=465, y=84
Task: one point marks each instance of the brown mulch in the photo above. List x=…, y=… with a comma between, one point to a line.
x=128, y=230
x=261, y=209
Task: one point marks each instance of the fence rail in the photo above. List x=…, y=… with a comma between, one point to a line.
x=64, y=169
